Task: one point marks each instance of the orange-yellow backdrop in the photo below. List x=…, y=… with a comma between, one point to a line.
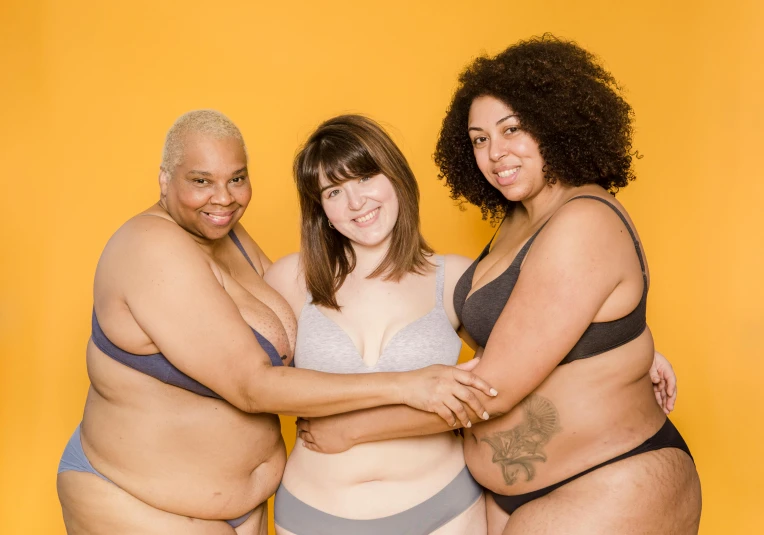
x=89, y=89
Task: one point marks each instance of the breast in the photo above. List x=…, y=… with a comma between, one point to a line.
x=323, y=346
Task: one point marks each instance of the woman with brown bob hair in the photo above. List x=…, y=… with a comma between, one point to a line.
x=539, y=137
x=353, y=147
x=370, y=296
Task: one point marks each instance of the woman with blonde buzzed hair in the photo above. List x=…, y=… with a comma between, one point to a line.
x=189, y=360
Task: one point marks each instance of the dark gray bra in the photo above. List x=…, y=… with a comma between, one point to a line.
x=480, y=312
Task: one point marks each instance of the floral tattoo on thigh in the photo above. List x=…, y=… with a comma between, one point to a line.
x=518, y=449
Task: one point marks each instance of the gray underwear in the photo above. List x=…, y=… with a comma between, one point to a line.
x=300, y=518
x=74, y=459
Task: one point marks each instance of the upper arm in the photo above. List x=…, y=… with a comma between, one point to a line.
x=286, y=277
x=567, y=275
x=456, y=265
x=175, y=297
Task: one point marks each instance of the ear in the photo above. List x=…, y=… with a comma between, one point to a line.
x=164, y=181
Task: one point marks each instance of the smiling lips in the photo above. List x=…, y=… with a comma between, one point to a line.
x=219, y=219
x=367, y=217
x=507, y=176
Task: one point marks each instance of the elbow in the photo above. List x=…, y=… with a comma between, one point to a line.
x=251, y=397
x=499, y=406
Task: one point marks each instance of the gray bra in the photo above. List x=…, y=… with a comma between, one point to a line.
x=322, y=345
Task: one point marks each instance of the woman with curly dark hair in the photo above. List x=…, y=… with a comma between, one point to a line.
x=539, y=138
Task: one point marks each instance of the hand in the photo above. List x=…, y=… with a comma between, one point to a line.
x=324, y=435
x=443, y=390
x=664, y=382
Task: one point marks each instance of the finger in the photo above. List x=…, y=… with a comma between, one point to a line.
x=446, y=415
x=671, y=400
x=469, y=365
x=465, y=395
x=302, y=425
x=470, y=379
x=655, y=376
x=306, y=437
x=458, y=410
x=658, y=396
x=671, y=382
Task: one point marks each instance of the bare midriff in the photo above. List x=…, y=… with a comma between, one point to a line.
x=583, y=414
x=175, y=450
x=374, y=479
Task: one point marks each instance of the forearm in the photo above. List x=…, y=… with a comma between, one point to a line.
x=300, y=392
x=397, y=421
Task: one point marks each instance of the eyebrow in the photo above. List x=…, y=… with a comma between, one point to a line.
x=330, y=186
x=207, y=173
x=471, y=128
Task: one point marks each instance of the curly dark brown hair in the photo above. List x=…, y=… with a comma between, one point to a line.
x=568, y=103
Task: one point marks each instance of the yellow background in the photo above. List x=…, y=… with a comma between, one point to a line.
x=89, y=89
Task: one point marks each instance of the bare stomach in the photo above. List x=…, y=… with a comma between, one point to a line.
x=584, y=413
x=177, y=451
x=375, y=479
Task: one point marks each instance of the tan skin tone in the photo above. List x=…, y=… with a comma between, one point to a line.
x=581, y=269
x=171, y=280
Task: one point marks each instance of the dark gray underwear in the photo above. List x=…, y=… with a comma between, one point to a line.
x=300, y=518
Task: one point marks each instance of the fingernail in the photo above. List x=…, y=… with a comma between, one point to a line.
x=485, y=415
x=494, y=392
x=469, y=424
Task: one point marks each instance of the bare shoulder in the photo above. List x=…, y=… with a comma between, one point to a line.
x=147, y=235
x=287, y=277
x=587, y=237
x=155, y=242
x=585, y=222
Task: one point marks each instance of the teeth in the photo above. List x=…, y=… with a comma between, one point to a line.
x=367, y=217
x=505, y=174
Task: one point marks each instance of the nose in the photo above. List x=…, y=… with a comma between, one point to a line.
x=221, y=195
x=498, y=149
x=356, y=198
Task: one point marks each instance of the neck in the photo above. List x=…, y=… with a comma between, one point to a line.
x=368, y=258
x=539, y=206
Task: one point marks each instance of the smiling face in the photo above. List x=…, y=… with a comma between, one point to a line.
x=508, y=157
x=208, y=191
x=364, y=210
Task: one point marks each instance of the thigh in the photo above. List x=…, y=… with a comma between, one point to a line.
x=257, y=523
x=93, y=506
x=655, y=493
x=496, y=516
x=470, y=522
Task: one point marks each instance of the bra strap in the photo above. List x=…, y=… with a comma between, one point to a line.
x=238, y=244
x=440, y=276
x=626, y=224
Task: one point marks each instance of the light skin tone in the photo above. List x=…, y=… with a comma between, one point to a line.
x=171, y=281
x=376, y=479
x=581, y=269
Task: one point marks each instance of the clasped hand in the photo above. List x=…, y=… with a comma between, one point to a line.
x=439, y=389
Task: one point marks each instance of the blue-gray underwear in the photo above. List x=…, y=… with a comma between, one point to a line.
x=459, y=495
x=74, y=459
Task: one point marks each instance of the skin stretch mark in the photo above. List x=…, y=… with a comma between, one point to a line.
x=519, y=448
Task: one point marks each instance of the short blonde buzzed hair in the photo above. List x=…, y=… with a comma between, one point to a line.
x=207, y=122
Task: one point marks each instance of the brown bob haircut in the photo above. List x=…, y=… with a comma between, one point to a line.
x=344, y=148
